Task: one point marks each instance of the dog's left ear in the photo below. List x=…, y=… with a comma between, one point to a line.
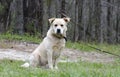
x=67, y=19
x=51, y=20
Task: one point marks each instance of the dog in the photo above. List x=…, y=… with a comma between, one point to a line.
x=48, y=52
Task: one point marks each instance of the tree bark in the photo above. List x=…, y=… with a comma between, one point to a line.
x=16, y=14
x=103, y=22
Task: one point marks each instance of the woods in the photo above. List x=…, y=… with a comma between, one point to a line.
x=91, y=20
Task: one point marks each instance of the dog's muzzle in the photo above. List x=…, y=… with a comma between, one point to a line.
x=58, y=31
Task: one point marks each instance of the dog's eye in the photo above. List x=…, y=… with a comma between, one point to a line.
x=61, y=25
x=55, y=25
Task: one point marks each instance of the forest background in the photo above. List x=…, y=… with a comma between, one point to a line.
x=91, y=20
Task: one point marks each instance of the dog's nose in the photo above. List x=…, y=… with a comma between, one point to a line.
x=58, y=30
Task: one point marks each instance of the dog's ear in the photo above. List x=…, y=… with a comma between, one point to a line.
x=51, y=20
x=67, y=19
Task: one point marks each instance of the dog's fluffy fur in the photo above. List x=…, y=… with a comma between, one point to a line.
x=49, y=50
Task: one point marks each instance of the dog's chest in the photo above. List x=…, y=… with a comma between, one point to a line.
x=57, y=47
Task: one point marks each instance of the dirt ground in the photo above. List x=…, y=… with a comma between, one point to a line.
x=22, y=51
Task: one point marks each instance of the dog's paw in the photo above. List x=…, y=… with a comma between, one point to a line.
x=25, y=65
x=56, y=67
x=51, y=67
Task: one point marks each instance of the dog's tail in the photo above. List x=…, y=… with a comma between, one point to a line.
x=25, y=65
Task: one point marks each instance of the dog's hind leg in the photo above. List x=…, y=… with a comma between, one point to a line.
x=34, y=60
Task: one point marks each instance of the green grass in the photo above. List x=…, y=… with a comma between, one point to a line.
x=85, y=47
x=15, y=37
x=10, y=68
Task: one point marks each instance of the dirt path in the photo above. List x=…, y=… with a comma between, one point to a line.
x=21, y=51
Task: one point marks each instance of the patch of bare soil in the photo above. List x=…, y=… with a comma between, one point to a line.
x=22, y=51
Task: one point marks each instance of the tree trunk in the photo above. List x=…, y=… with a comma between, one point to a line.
x=16, y=14
x=103, y=22
x=76, y=26
x=85, y=18
x=62, y=8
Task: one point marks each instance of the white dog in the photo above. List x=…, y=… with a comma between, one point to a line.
x=49, y=50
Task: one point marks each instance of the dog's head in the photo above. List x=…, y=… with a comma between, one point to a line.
x=59, y=25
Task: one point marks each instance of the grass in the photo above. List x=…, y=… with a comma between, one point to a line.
x=85, y=47
x=15, y=37
x=10, y=68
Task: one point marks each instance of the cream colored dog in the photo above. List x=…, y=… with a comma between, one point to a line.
x=49, y=50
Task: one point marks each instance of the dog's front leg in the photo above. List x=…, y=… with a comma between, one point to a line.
x=50, y=62
x=56, y=62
